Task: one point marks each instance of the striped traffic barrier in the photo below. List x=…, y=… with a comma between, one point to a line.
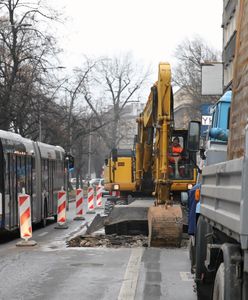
x=91, y=206
x=61, y=211
x=79, y=205
x=99, y=197
x=25, y=220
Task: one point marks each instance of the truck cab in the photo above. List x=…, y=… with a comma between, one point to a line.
x=216, y=143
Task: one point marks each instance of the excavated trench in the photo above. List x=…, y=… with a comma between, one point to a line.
x=115, y=241
x=121, y=235
x=109, y=241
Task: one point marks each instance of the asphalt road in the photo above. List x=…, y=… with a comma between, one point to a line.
x=50, y=270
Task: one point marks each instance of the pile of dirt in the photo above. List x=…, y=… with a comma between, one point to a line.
x=109, y=241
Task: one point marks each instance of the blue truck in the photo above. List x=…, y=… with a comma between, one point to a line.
x=214, y=151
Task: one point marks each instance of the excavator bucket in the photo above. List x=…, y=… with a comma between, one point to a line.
x=165, y=226
x=129, y=219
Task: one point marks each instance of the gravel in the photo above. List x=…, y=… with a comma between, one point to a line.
x=109, y=241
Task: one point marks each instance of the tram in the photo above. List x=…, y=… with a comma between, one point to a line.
x=35, y=168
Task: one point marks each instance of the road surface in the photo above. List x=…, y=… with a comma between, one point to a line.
x=51, y=270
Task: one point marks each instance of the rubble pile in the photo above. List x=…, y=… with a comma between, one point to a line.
x=109, y=241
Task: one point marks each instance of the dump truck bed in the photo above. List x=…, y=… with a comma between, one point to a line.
x=224, y=198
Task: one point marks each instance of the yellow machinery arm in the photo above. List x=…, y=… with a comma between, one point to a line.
x=163, y=124
x=156, y=117
x=155, y=127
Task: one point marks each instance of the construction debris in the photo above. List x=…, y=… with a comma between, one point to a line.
x=109, y=241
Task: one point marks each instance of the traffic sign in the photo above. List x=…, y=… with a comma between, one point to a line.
x=206, y=120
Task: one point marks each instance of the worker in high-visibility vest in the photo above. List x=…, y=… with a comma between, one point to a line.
x=175, y=159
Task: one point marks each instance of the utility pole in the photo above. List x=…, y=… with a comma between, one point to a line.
x=89, y=154
x=40, y=129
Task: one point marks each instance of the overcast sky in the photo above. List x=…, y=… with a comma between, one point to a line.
x=150, y=29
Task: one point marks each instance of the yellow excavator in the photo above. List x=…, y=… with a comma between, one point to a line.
x=145, y=185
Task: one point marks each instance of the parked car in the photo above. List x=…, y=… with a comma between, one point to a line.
x=95, y=182
x=73, y=182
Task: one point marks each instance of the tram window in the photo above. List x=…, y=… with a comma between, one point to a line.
x=54, y=175
x=6, y=174
x=20, y=173
x=29, y=174
x=45, y=175
x=60, y=174
x=33, y=176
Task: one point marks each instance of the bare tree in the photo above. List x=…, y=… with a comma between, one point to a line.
x=93, y=100
x=25, y=57
x=108, y=88
x=190, y=54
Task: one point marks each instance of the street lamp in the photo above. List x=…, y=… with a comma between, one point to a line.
x=89, y=154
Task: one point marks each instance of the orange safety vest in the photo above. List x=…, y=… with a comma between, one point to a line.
x=176, y=150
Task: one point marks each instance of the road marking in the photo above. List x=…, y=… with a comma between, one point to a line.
x=186, y=276
x=130, y=280
x=43, y=233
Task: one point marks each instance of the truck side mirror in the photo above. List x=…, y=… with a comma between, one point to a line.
x=106, y=161
x=193, y=143
x=202, y=154
x=114, y=155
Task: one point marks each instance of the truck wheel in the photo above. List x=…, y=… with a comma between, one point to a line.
x=219, y=284
x=192, y=253
x=202, y=277
x=109, y=205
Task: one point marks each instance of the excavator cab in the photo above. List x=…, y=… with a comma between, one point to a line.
x=181, y=166
x=182, y=169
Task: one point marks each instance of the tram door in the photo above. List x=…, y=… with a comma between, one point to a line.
x=47, y=183
x=2, y=166
x=18, y=179
x=11, y=201
x=51, y=187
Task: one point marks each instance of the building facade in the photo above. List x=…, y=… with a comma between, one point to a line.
x=127, y=126
x=229, y=25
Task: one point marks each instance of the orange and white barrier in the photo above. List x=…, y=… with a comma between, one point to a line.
x=99, y=196
x=61, y=210
x=79, y=204
x=25, y=216
x=91, y=206
x=25, y=220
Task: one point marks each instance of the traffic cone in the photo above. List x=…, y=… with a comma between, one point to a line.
x=79, y=205
x=99, y=197
x=91, y=206
x=25, y=220
x=61, y=210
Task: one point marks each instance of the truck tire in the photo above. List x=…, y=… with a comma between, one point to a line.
x=109, y=205
x=204, y=285
x=219, y=283
x=192, y=253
